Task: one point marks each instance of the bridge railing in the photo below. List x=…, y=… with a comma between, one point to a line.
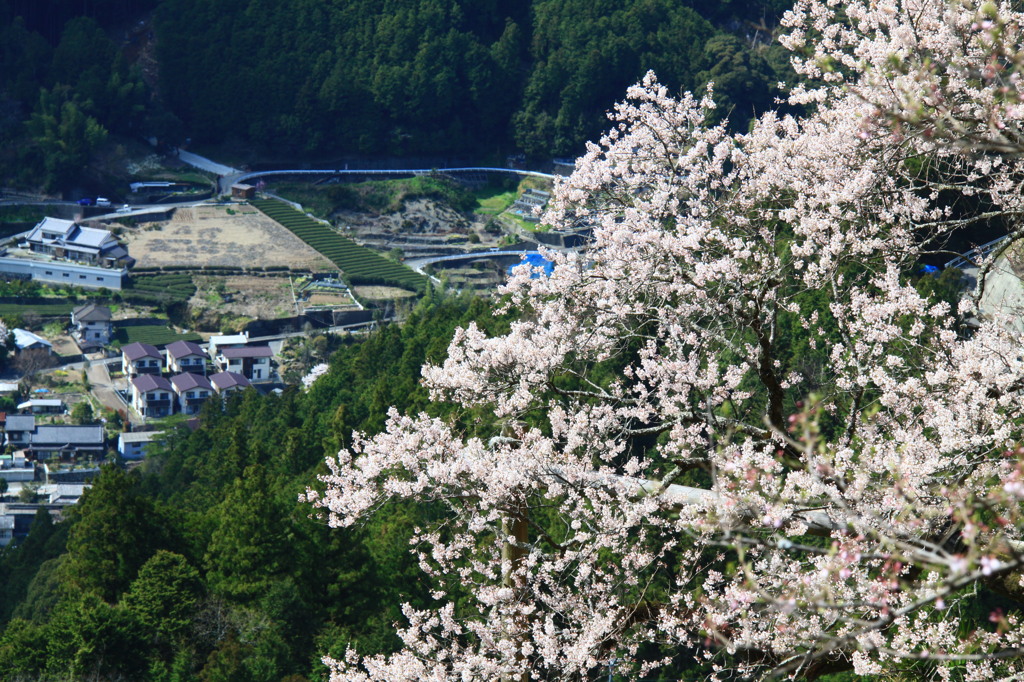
x=976, y=255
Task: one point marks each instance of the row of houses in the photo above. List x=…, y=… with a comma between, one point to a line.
x=251, y=362
x=154, y=396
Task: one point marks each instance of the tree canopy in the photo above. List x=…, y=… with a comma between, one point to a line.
x=734, y=429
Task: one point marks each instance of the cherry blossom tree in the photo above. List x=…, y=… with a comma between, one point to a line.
x=733, y=426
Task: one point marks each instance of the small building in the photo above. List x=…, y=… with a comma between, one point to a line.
x=226, y=383
x=152, y=395
x=133, y=445
x=65, y=494
x=242, y=191
x=17, y=468
x=193, y=390
x=18, y=430
x=186, y=356
x=43, y=406
x=25, y=340
x=219, y=341
x=9, y=387
x=252, y=362
x=91, y=325
x=141, y=358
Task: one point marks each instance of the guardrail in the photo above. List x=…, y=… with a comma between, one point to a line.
x=974, y=256
x=393, y=171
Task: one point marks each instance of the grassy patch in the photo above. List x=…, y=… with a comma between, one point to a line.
x=313, y=199
x=388, y=196
x=492, y=200
x=155, y=334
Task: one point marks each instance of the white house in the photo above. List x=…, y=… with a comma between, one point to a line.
x=226, y=383
x=66, y=239
x=152, y=395
x=141, y=358
x=219, y=341
x=252, y=362
x=193, y=390
x=91, y=325
x=185, y=356
x=133, y=445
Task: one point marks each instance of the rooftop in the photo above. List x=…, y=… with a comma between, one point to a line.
x=179, y=349
x=247, y=352
x=21, y=422
x=188, y=381
x=24, y=338
x=41, y=402
x=151, y=382
x=68, y=434
x=137, y=351
x=139, y=436
x=223, y=380
x=90, y=312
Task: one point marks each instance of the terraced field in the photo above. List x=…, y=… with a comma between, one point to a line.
x=164, y=287
x=57, y=308
x=359, y=264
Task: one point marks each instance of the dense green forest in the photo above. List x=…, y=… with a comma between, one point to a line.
x=203, y=565
x=470, y=77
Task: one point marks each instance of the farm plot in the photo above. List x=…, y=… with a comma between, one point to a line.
x=218, y=236
x=157, y=333
x=359, y=264
x=163, y=287
x=57, y=308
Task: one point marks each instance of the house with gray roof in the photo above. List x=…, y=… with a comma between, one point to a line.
x=25, y=340
x=91, y=325
x=186, y=356
x=43, y=406
x=133, y=444
x=44, y=441
x=141, y=358
x=193, y=390
x=18, y=430
x=152, y=395
x=66, y=239
x=252, y=362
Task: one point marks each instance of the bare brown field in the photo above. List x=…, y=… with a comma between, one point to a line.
x=329, y=299
x=254, y=297
x=209, y=235
x=382, y=293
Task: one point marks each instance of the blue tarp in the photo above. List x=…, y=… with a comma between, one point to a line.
x=535, y=260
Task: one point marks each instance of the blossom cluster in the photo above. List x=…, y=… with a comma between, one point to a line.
x=844, y=531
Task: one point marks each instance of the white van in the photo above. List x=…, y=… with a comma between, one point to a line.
x=102, y=201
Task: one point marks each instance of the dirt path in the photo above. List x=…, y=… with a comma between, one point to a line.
x=103, y=388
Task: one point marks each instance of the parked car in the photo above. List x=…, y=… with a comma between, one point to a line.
x=85, y=201
x=102, y=201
